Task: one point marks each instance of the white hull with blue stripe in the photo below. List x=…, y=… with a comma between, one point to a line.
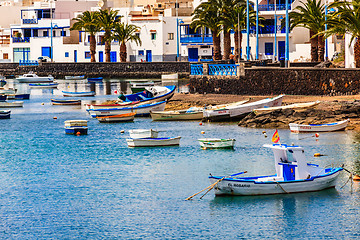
x=293, y=175
x=327, y=127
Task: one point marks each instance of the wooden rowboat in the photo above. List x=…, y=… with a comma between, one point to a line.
x=176, y=115
x=66, y=102
x=11, y=104
x=153, y=142
x=78, y=94
x=327, y=127
x=212, y=143
x=291, y=106
x=127, y=117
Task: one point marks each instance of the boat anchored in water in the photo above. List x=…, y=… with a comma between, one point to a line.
x=216, y=143
x=5, y=114
x=32, y=78
x=76, y=127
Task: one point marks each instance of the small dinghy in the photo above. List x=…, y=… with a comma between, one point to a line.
x=186, y=114
x=293, y=175
x=76, y=127
x=216, y=143
x=5, y=104
x=75, y=77
x=127, y=117
x=327, y=127
x=5, y=114
x=43, y=85
x=95, y=80
x=24, y=96
x=66, y=102
x=78, y=94
x=143, y=133
x=153, y=142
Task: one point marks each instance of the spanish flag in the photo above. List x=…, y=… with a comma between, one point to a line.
x=275, y=137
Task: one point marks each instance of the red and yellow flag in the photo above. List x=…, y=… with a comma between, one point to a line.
x=275, y=137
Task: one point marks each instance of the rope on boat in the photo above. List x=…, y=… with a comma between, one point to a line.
x=281, y=187
x=350, y=178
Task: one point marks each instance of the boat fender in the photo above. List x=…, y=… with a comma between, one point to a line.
x=202, y=132
x=318, y=155
x=122, y=131
x=78, y=134
x=356, y=178
x=54, y=117
x=42, y=103
x=200, y=123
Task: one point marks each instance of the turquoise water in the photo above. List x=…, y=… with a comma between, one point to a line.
x=94, y=187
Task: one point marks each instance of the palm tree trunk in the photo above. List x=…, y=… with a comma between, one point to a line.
x=107, y=46
x=237, y=48
x=314, y=47
x=321, y=48
x=123, y=53
x=92, y=48
x=357, y=53
x=227, y=45
x=217, y=47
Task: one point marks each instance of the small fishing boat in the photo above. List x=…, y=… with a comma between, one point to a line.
x=66, y=102
x=6, y=104
x=150, y=94
x=326, y=127
x=7, y=91
x=127, y=117
x=140, y=86
x=291, y=106
x=114, y=105
x=75, y=77
x=293, y=175
x=187, y=114
x=95, y=80
x=142, y=110
x=76, y=127
x=5, y=114
x=143, y=133
x=239, y=111
x=32, y=77
x=24, y=96
x=43, y=85
x=212, y=143
x=78, y=94
x=153, y=142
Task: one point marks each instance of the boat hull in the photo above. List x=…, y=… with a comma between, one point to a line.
x=330, y=127
x=175, y=115
x=75, y=77
x=78, y=94
x=43, y=85
x=35, y=79
x=11, y=104
x=65, y=102
x=117, y=118
x=24, y=96
x=216, y=143
x=246, y=187
x=5, y=114
x=153, y=142
x=76, y=130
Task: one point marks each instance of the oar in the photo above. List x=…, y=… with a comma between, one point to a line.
x=213, y=185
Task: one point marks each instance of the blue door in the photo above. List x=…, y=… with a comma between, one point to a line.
x=101, y=56
x=289, y=172
x=148, y=56
x=281, y=46
x=113, y=57
x=46, y=52
x=75, y=55
x=193, y=54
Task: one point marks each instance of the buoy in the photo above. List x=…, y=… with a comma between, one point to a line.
x=265, y=135
x=317, y=135
x=356, y=178
x=115, y=91
x=54, y=117
x=263, y=132
x=122, y=131
x=202, y=132
x=204, y=148
x=200, y=123
x=42, y=103
x=318, y=155
x=78, y=134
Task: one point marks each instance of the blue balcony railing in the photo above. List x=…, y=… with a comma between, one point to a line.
x=21, y=40
x=196, y=69
x=28, y=63
x=30, y=21
x=271, y=7
x=222, y=69
x=196, y=38
x=267, y=29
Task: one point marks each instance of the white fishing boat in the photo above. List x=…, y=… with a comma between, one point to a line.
x=150, y=94
x=76, y=127
x=239, y=111
x=293, y=175
x=290, y=106
x=222, y=106
x=140, y=110
x=5, y=104
x=143, y=133
x=32, y=78
x=212, y=143
x=43, y=85
x=326, y=127
x=75, y=77
x=187, y=114
x=127, y=117
x=153, y=142
x=78, y=94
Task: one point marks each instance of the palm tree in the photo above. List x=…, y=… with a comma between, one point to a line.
x=207, y=15
x=311, y=15
x=107, y=20
x=124, y=33
x=87, y=22
x=347, y=20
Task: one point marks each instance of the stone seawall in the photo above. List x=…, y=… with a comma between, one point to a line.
x=293, y=81
x=107, y=70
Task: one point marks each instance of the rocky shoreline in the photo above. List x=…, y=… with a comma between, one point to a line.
x=330, y=109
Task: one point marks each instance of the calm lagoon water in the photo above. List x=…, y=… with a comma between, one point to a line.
x=94, y=187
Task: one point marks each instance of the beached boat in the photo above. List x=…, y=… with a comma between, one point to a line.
x=76, y=127
x=95, y=79
x=5, y=114
x=78, y=94
x=127, y=117
x=66, y=102
x=114, y=105
x=239, y=111
x=326, y=127
x=5, y=104
x=140, y=86
x=153, y=142
x=142, y=110
x=151, y=94
x=43, y=85
x=143, y=133
x=291, y=106
x=75, y=77
x=32, y=77
x=293, y=175
x=23, y=96
x=188, y=114
x=212, y=143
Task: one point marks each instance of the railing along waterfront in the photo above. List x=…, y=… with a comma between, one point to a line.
x=28, y=63
x=196, y=69
x=271, y=7
x=30, y=21
x=214, y=69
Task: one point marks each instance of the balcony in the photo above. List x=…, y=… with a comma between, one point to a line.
x=30, y=21
x=21, y=40
x=267, y=29
x=271, y=7
x=196, y=38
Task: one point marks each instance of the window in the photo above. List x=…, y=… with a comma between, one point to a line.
x=63, y=33
x=45, y=33
x=21, y=54
x=5, y=56
x=87, y=55
x=54, y=33
x=170, y=36
x=35, y=33
x=137, y=34
x=153, y=36
x=66, y=54
x=269, y=48
x=141, y=52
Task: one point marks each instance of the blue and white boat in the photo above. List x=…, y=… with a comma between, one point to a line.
x=5, y=114
x=150, y=94
x=76, y=127
x=78, y=94
x=293, y=175
x=43, y=85
x=142, y=110
x=95, y=79
x=75, y=77
x=24, y=96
